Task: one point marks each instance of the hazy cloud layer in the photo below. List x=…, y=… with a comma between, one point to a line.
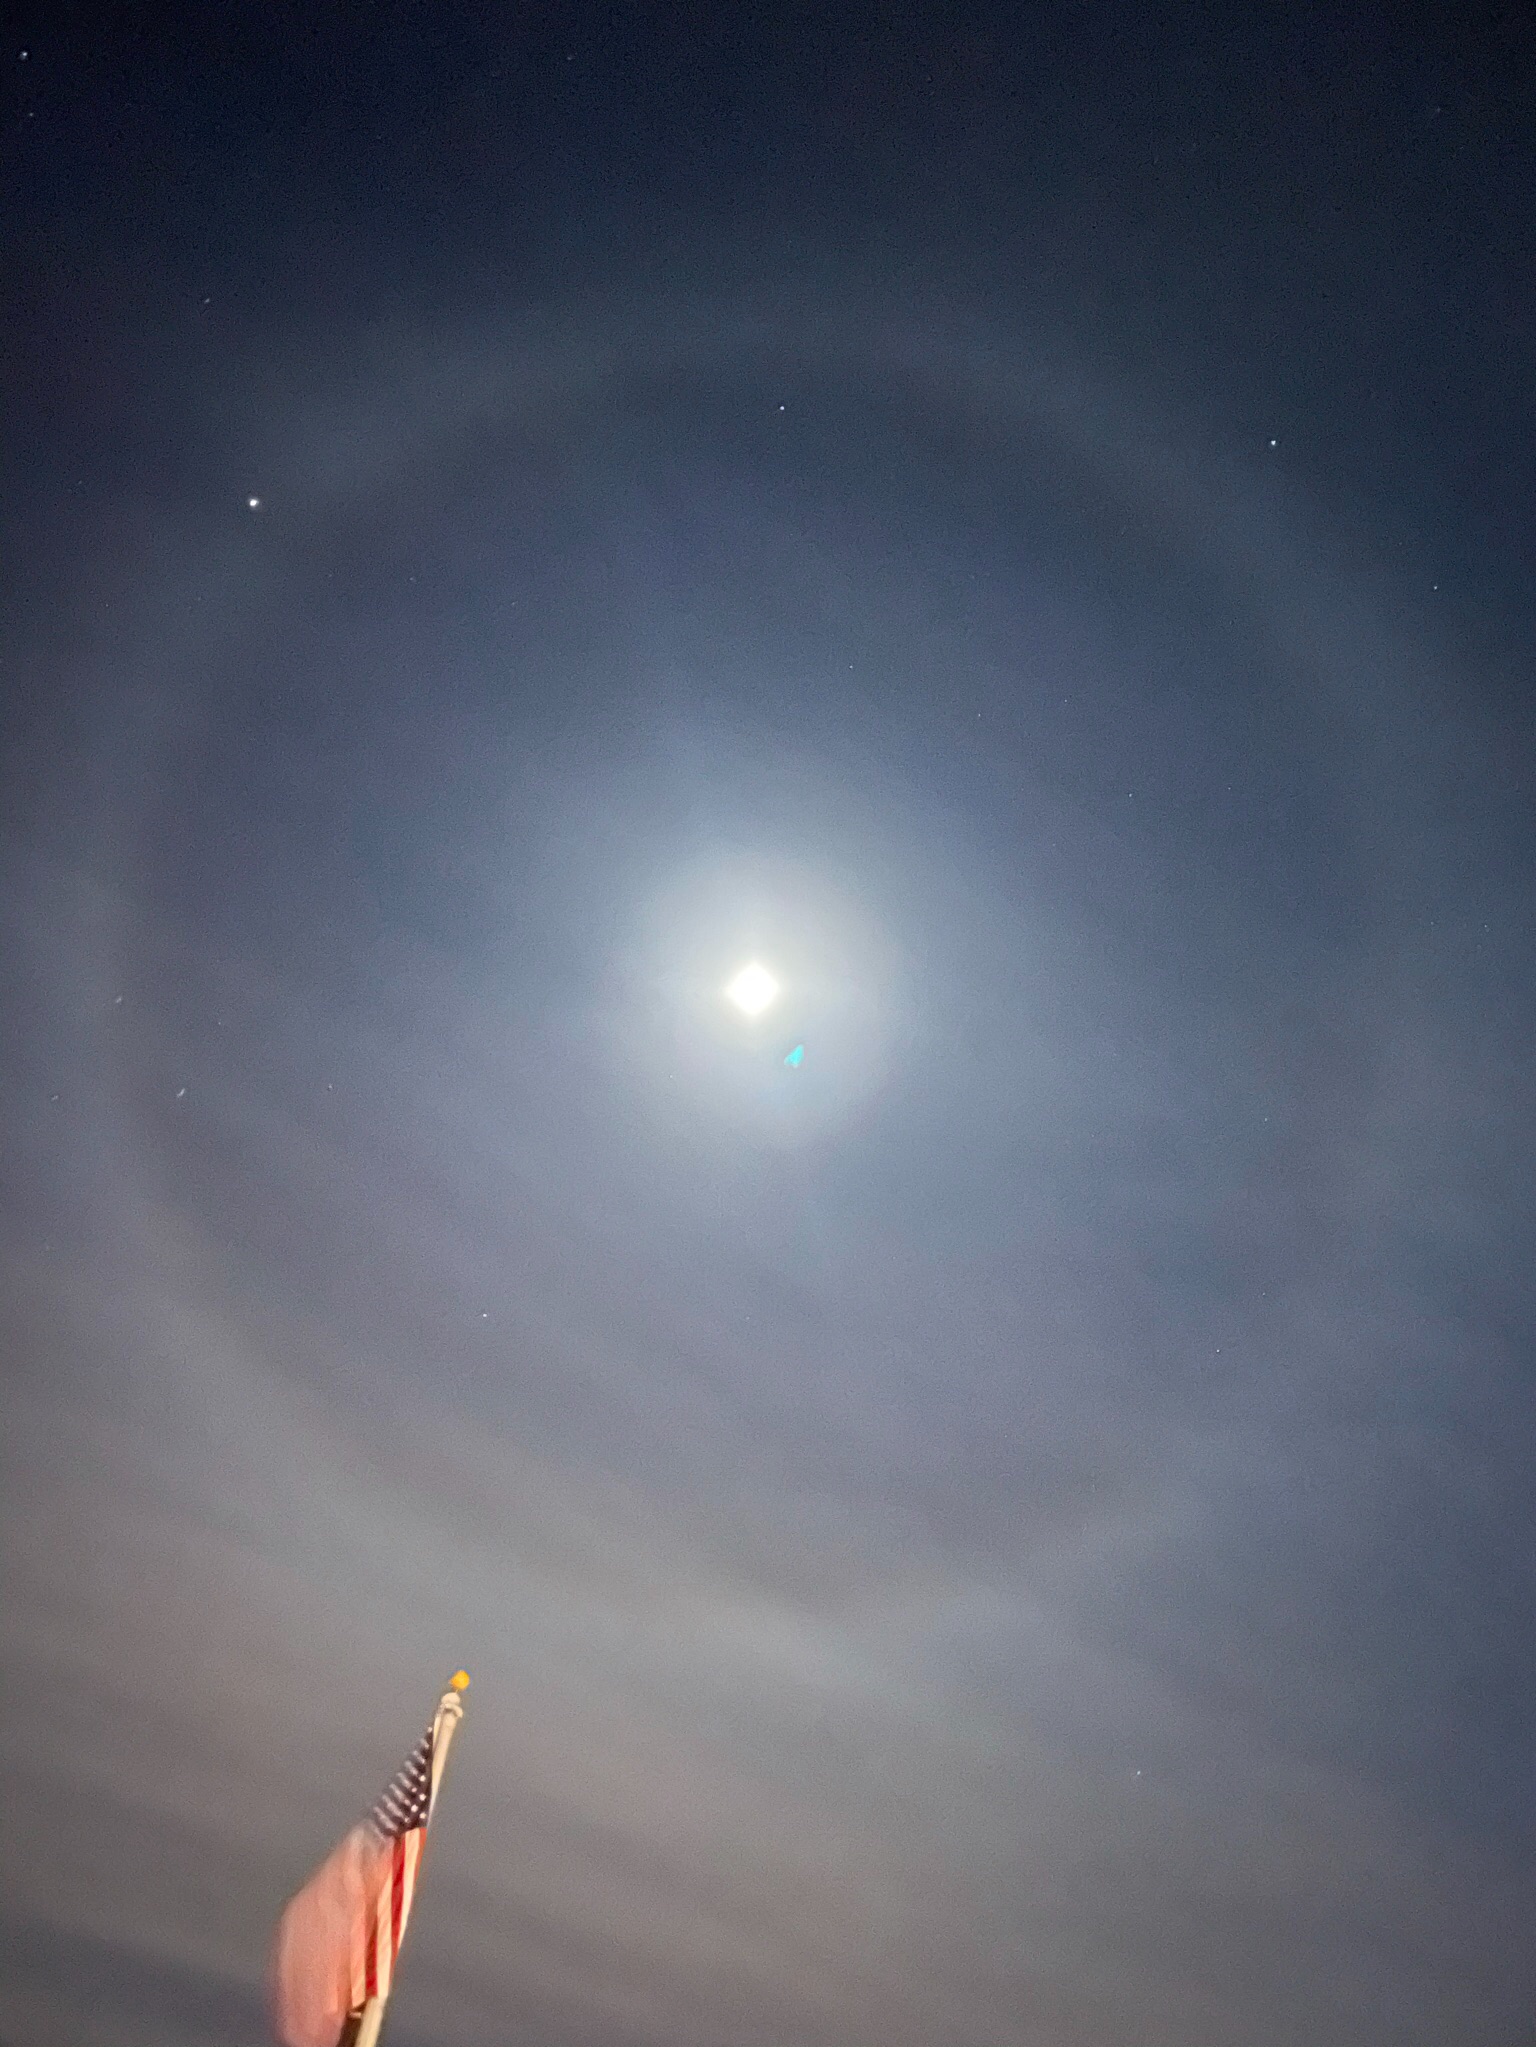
x=1015, y=1532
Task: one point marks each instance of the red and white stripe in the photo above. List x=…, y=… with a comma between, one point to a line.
x=383, y=1928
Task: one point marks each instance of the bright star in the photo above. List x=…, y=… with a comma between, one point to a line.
x=752, y=990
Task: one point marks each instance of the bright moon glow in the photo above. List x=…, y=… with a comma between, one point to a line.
x=752, y=990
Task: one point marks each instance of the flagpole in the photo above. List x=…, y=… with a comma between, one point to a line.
x=369, y=2021
x=450, y=1711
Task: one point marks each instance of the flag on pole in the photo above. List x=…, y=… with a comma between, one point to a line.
x=339, y=1939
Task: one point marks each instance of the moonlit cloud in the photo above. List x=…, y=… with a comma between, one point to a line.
x=1010, y=1532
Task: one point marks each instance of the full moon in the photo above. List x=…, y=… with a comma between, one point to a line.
x=752, y=990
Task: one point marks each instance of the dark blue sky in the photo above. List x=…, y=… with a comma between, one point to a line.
x=1018, y=1529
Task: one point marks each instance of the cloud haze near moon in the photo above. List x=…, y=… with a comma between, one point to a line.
x=972, y=1548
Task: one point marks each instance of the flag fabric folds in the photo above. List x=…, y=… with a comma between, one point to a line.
x=339, y=1939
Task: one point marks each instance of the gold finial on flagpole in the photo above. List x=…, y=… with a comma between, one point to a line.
x=460, y=1680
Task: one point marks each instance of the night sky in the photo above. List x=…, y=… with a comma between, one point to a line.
x=1019, y=1529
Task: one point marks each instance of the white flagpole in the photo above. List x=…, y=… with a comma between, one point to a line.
x=450, y=1711
x=369, y=2021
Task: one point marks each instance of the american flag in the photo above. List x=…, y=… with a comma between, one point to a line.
x=398, y=1824
x=339, y=1939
